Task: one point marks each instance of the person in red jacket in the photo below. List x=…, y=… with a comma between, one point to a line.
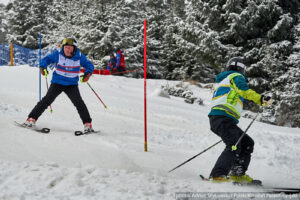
x=120, y=65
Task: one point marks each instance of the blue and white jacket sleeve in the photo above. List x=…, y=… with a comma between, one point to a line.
x=49, y=59
x=86, y=64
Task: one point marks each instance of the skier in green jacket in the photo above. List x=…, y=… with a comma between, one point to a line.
x=227, y=104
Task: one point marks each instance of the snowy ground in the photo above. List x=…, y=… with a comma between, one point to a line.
x=113, y=164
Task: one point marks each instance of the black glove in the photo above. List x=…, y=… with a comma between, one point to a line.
x=265, y=100
x=85, y=77
x=44, y=72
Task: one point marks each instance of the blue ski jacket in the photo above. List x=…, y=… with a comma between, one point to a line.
x=67, y=69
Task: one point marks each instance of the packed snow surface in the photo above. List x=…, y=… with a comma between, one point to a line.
x=113, y=164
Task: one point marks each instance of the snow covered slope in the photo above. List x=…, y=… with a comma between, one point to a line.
x=113, y=164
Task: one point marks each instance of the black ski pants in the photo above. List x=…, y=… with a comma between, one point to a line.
x=227, y=129
x=71, y=91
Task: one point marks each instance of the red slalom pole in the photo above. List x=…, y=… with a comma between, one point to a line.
x=145, y=83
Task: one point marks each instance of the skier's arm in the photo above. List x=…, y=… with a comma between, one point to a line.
x=49, y=59
x=118, y=59
x=88, y=65
x=240, y=86
x=108, y=66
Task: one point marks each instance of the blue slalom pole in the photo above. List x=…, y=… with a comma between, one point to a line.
x=40, y=57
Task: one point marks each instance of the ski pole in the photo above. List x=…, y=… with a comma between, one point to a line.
x=96, y=94
x=47, y=90
x=233, y=147
x=195, y=156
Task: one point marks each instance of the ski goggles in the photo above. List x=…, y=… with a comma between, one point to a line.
x=69, y=41
x=238, y=64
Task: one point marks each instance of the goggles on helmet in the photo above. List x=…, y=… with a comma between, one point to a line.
x=238, y=64
x=69, y=41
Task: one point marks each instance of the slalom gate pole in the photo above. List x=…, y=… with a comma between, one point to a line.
x=47, y=90
x=96, y=95
x=11, y=54
x=233, y=147
x=145, y=84
x=40, y=59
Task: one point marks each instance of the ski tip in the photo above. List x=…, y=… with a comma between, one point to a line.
x=203, y=178
x=78, y=133
x=45, y=130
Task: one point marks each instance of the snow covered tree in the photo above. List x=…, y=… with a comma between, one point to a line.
x=26, y=21
x=18, y=21
x=187, y=39
x=3, y=24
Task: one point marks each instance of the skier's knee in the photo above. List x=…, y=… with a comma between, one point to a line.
x=78, y=103
x=235, y=151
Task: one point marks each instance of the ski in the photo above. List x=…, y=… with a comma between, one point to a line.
x=79, y=133
x=40, y=130
x=254, y=183
x=204, y=178
x=285, y=190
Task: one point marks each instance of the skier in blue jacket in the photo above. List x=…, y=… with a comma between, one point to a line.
x=112, y=63
x=120, y=63
x=65, y=79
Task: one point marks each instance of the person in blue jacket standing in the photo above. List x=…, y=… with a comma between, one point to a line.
x=65, y=79
x=120, y=65
x=112, y=63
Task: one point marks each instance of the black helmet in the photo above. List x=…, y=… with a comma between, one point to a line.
x=117, y=49
x=236, y=64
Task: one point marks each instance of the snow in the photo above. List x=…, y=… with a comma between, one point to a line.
x=5, y=2
x=113, y=164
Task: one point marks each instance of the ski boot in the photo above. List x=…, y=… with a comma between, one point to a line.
x=239, y=177
x=220, y=179
x=88, y=128
x=30, y=122
x=245, y=180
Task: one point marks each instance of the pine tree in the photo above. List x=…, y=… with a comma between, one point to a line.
x=26, y=21
x=172, y=58
x=186, y=39
x=18, y=21
x=3, y=25
x=156, y=29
